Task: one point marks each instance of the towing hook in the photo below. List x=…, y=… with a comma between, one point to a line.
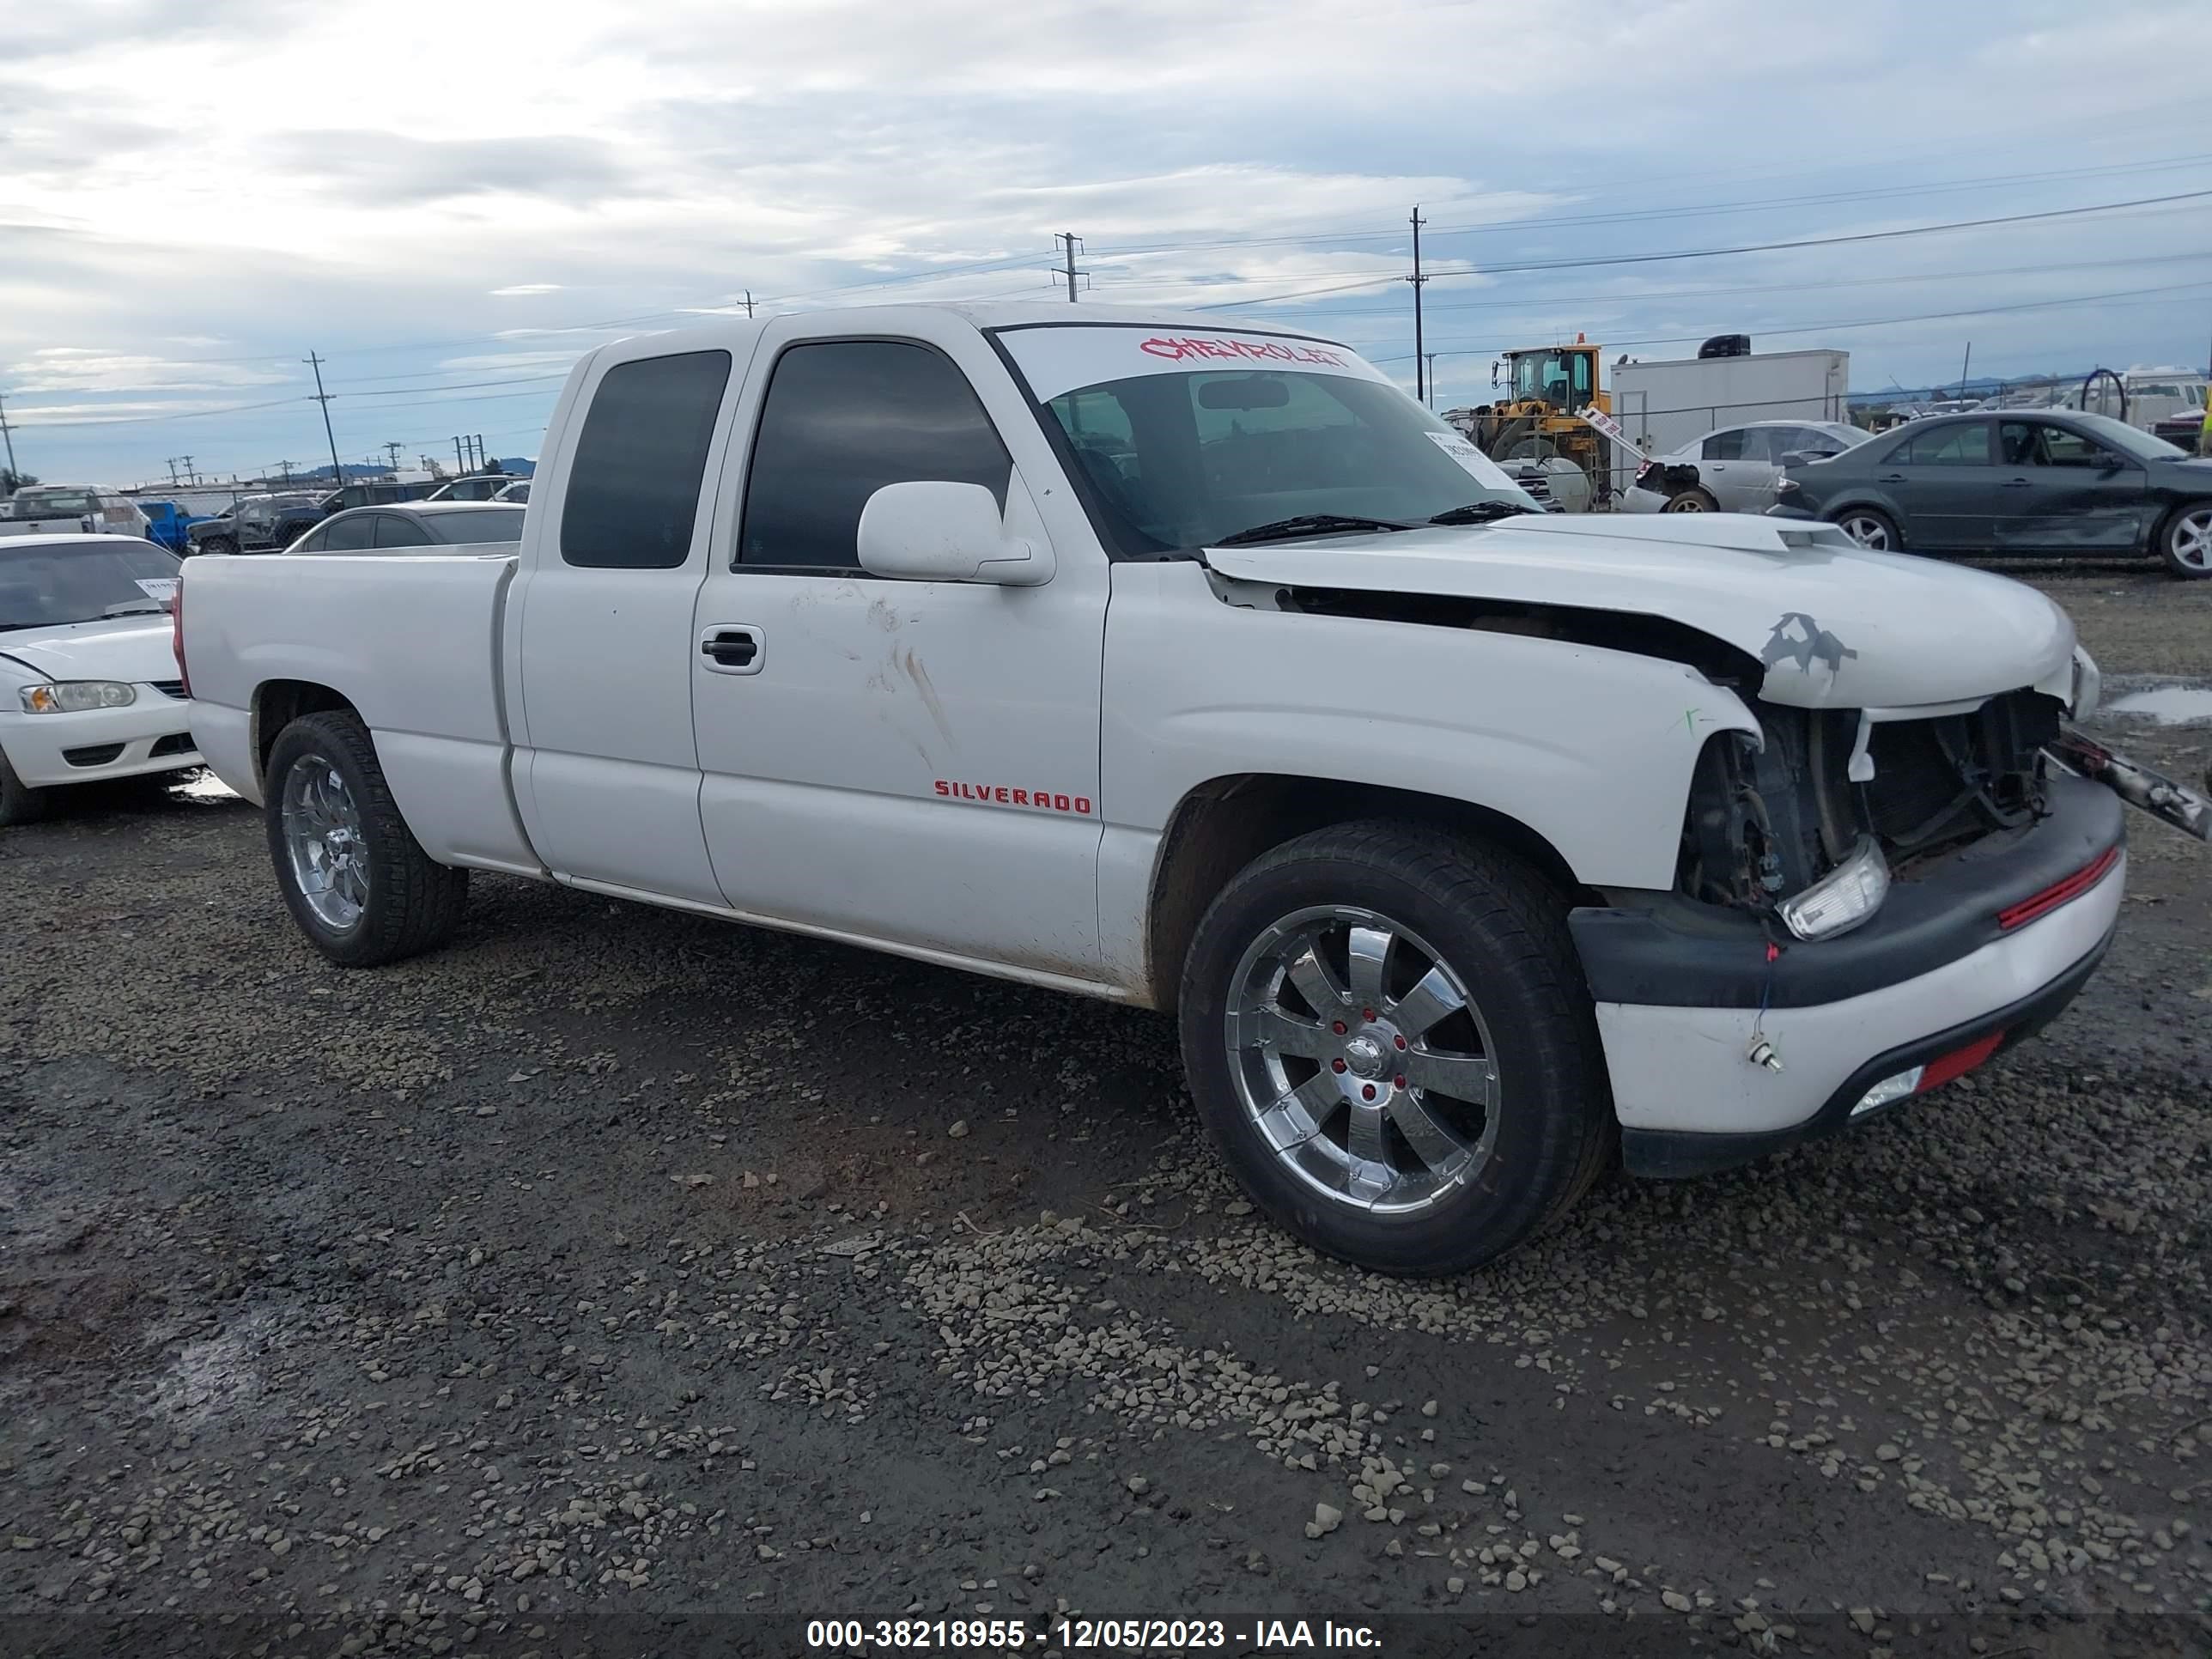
x=2135, y=783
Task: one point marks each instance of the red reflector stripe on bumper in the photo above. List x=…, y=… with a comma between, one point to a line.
x=1957, y=1062
x=2059, y=892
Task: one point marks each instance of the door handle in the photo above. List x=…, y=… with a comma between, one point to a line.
x=1891, y=478
x=2016, y=484
x=733, y=649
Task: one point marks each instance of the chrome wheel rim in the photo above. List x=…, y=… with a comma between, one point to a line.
x=1362, y=1061
x=1868, y=532
x=323, y=840
x=1683, y=504
x=2190, y=542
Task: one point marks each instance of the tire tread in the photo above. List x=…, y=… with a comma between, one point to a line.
x=1487, y=886
x=415, y=902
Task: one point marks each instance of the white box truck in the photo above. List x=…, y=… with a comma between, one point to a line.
x=1663, y=406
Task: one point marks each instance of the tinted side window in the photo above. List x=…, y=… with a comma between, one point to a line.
x=393, y=531
x=842, y=419
x=1967, y=445
x=346, y=534
x=315, y=541
x=1725, y=446
x=633, y=487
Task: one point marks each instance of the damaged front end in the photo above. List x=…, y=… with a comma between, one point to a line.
x=1811, y=825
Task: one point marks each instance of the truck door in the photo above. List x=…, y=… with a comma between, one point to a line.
x=913, y=762
x=606, y=775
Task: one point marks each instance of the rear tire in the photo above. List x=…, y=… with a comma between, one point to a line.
x=352, y=874
x=1875, y=532
x=2184, y=542
x=20, y=802
x=1691, y=501
x=220, y=544
x=1280, y=1092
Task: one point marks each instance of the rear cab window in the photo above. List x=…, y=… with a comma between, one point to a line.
x=634, y=485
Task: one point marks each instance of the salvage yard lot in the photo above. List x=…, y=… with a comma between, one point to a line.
x=613, y=1268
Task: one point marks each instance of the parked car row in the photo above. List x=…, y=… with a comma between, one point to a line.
x=2029, y=483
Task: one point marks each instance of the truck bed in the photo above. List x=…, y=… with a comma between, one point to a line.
x=411, y=639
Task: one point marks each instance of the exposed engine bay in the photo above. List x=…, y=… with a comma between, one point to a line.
x=1765, y=823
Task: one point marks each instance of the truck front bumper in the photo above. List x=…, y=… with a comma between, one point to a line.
x=1969, y=959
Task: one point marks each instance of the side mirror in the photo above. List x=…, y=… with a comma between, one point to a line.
x=946, y=532
x=1795, y=457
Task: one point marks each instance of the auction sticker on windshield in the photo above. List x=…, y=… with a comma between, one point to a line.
x=163, y=588
x=1056, y=358
x=1479, y=465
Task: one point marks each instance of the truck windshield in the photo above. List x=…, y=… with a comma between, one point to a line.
x=1184, y=459
x=52, y=586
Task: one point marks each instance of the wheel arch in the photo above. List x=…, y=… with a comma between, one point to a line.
x=278, y=704
x=1221, y=825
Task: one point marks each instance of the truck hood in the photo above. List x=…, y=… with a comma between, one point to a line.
x=1837, y=626
x=134, y=648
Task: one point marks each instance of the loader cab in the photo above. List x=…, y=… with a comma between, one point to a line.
x=1564, y=377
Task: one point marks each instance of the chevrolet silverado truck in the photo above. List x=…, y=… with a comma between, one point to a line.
x=1198, y=668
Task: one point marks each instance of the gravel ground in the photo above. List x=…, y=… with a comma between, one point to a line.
x=619, y=1278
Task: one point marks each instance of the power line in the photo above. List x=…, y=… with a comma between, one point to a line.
x=1867, y=322
x=1487, y=269
x=1526, y=301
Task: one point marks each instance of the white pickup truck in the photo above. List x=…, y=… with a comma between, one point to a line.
x=1196, y=666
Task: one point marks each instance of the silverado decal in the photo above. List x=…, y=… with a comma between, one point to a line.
x=1043, y=800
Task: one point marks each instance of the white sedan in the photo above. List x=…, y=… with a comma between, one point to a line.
x=1734, y=469
x=88, y=683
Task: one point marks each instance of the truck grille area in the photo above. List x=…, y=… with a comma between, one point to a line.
x=1940, y=782
x=1767, y=821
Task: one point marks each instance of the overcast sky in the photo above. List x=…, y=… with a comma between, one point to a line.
x=197, y=193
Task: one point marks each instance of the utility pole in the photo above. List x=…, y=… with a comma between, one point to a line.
x=1420, y=376
x=459, y=464
x=1963, y=367
x=337, y=473
x=10, y=437
x=191, y=476
x=1431, y=359
x=481, y=464
x=285, y=467
x=173, y=472
x=394, y=450
x=1071, y=241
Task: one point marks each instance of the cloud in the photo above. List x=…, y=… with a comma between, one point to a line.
x=390, y=169
x=373, y=201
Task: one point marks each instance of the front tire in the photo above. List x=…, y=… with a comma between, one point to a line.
x=1693, y=499
x=352, y=874
x=2184, y=542
x=21, y=802
x=1875, y=532
x=1390, y=1044
x=220, y=544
